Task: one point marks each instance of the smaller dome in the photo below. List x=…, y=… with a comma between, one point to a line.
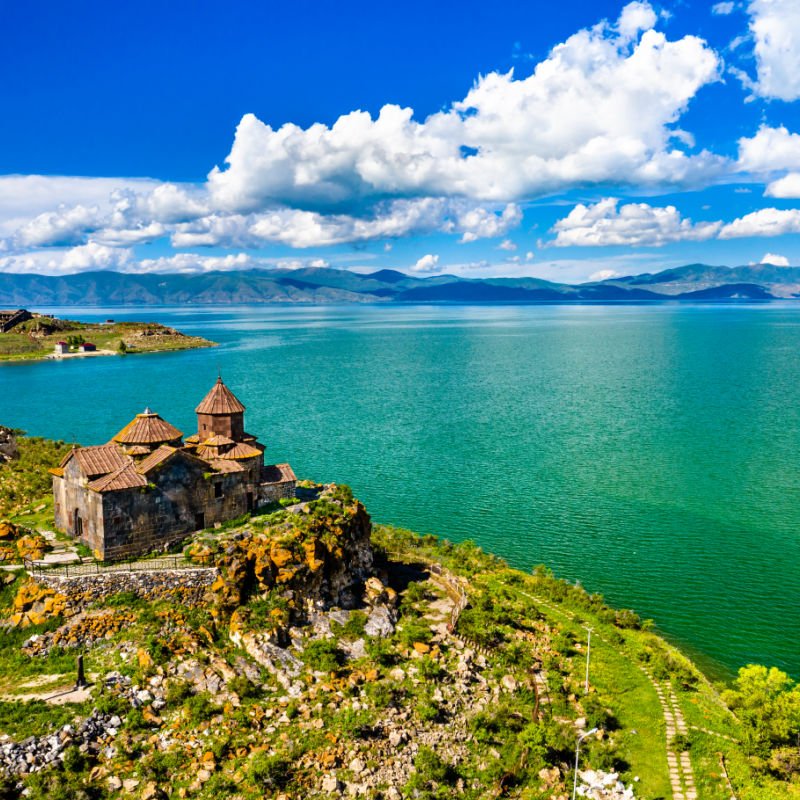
x=147, y=428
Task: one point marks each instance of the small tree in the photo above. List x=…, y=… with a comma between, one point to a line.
x=123, y=348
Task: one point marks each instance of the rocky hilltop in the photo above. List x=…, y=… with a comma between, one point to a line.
x=304, y=652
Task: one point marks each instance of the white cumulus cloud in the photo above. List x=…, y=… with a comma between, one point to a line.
x=94, y=256
x=787, y=187
x=428, y=263
x=775, y=25
x=603, y=275
x=301, y=228
x=91, y=256
x=63, y=227
x=23, y=197
x=601, y=107
x=775, y=260
x=769, y=150
x=638, y=224
x=764, y=222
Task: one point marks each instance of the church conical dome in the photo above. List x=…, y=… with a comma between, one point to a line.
x=220, y=400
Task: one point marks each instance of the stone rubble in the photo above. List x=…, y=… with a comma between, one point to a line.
x=94, y=735
x=598, y=785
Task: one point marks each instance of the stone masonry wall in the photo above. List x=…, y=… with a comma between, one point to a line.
x=187, y=586
x=272, y=492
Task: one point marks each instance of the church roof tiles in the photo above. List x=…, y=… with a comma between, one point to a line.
x=278, y=473
x=147, y=428
x=98, y=460
x=220, y=400
x=155, y=458
x=126, y=477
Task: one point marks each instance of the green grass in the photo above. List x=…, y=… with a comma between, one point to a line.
x=629, y=692
x=36, y=718
x=25, y=483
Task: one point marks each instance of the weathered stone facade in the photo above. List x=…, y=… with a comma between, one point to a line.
x=146, y=489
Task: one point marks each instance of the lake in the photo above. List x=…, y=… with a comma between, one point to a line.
x=653, y=453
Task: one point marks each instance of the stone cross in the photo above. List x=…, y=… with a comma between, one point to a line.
x=81, y=682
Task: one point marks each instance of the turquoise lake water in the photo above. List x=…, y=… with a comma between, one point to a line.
x=653, y=453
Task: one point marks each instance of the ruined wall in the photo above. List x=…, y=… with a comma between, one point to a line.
x=187, y=586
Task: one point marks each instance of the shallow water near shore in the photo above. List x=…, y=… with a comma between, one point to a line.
x=653, y=453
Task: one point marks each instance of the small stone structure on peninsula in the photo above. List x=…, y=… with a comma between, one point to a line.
x=10, y=318
x=148, y=488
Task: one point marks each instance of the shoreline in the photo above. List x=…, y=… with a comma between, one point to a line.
x=7, y=359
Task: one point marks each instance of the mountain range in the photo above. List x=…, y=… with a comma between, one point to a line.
x=694, y=282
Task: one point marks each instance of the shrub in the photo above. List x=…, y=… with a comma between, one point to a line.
x=413, y=630
x=323, y=655
x=352, y=723
x=244, y=688
x=200, y=708
x=123, y=600
x=160, y=766
x=383, y=694
x=681, y=742
x=433, y=777
x=274, y=772
x=627, y=619
x=597, y=714
x=177, y=692
x=74, y=761
x=381, y=652
x=429, y=669
x=354, y=628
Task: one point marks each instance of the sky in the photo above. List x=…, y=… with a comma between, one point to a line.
x=572, y=141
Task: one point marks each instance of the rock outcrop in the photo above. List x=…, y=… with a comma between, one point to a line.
x=318, y=557
x=8, y=445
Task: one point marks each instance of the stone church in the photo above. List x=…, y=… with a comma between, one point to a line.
x=148, y=487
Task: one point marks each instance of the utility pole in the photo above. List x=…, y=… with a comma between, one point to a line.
x=581, y=737
x=588, y=654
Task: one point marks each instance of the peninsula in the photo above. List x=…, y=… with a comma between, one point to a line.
x=299, y=650
x=26, y=336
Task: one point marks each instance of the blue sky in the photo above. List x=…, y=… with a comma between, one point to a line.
x=197, y=136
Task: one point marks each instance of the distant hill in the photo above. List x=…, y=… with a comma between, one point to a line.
x=326, y=285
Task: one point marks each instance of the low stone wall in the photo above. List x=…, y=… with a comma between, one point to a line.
x=186, y=586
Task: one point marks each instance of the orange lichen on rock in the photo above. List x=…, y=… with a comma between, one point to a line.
x=34, y=604
x=8, y=530
x=32, y=546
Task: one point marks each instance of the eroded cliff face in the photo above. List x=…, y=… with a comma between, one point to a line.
x=319, y=556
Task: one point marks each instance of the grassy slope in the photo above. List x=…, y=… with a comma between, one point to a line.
x=615, y=673
x=634, y=702
x=25, y=484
